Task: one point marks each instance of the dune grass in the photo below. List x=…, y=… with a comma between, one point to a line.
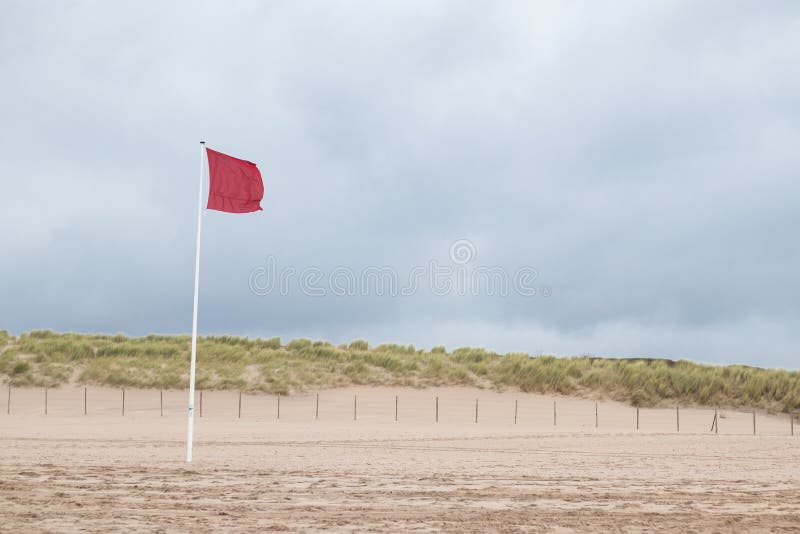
x=44, y=358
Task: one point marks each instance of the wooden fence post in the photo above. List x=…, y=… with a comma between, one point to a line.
x=595, y=414
x=754, y=422
x=355, y=407
x=476, y=410
x=516, y=409
x=437, y=409
x=84, y=401
x=123, y=401
x=240, y=405
x=45, y=400
x=554, y=413
x=637, y=418
x=316, y=411
x=161, y=401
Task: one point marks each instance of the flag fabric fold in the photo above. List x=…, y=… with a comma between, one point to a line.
x=235, y=184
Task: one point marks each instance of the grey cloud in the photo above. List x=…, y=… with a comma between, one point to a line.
x=642, y=158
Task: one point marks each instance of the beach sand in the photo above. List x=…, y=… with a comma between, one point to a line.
x=364, y=471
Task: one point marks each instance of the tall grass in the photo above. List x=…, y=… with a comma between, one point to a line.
x=41, y=357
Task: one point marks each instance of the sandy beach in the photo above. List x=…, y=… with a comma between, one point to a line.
x=349, y=465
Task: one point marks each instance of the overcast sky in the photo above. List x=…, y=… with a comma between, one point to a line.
x=642, y=158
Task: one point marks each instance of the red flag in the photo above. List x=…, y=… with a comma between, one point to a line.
x=236, y=185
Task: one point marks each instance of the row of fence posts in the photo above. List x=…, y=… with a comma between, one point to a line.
x=714, y=423
x=86, y=401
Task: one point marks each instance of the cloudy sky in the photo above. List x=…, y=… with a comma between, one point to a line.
x=640, y=158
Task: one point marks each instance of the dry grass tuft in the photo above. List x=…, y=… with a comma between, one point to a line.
x=41, y=357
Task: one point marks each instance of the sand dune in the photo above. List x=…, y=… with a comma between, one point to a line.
x=66, y=471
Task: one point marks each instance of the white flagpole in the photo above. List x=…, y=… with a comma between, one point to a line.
x=194, y=316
